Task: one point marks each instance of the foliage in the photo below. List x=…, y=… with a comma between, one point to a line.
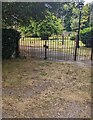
x=50, y=25
x=85, y=21
x=30, y=15
x=85, y=17
x=72, y=36
x=10, y=39
x=45, y=28
x=18, y=13
x=86, y=36
x=30, y=30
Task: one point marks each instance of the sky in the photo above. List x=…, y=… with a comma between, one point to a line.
x=88, y=1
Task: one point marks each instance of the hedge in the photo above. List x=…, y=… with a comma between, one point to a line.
x=72, y=36
x=10, y=38
x=85, y=35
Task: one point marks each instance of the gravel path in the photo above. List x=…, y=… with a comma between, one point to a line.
x=51, y=54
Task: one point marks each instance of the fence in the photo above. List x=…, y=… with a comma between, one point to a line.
x=56, y=47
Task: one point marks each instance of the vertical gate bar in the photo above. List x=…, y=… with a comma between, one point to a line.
x=45, y=51
x=37, y=44
x=82, y=51
x=24, y=46
x=91, y=40
x=65, y=48
x=31, y=45
x=56, y=48
x=92, y=53
x=53, y=50
x=80, y=55
x=48, y=48
x=27, y=45
x=55, y=41
x=75, y=53
x=26, y=41
x=68, y=47
x=91, y=47
x=69, y=54
x=34, y=55
x=73, y=48
x=42, y=49
x=20, y=46
x=39, y=47
x=39, y=53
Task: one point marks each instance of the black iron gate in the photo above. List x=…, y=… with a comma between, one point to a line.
x=57, y=47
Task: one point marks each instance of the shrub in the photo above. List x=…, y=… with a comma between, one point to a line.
x=85, y=35
x=10, y=39
x=72, y=36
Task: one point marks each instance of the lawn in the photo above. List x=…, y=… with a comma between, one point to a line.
x=38, y=88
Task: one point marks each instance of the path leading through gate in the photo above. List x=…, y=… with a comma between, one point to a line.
x=54, y=48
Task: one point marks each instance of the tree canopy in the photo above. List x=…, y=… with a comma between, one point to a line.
x=30, y=15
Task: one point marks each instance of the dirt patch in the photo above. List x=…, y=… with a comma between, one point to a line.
x=37, y=88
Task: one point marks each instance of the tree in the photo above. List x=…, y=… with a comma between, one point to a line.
x=50, y=25
x=75, y=19
x=85, y=21
x=30, y=29
x=85, y=17
x=19, y=13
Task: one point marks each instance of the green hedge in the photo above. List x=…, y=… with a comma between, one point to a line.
x=72, y=36
x=10, y=39
x=85, y=35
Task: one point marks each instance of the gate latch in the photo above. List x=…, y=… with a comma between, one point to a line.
x=45, y=46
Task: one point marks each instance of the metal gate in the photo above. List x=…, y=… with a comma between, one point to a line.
x=56, y=48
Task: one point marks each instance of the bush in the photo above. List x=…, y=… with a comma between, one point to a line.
x=10, y=38
x=85, y=35
x=72, y=36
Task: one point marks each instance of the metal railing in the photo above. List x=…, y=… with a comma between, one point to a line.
x=54, y=48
